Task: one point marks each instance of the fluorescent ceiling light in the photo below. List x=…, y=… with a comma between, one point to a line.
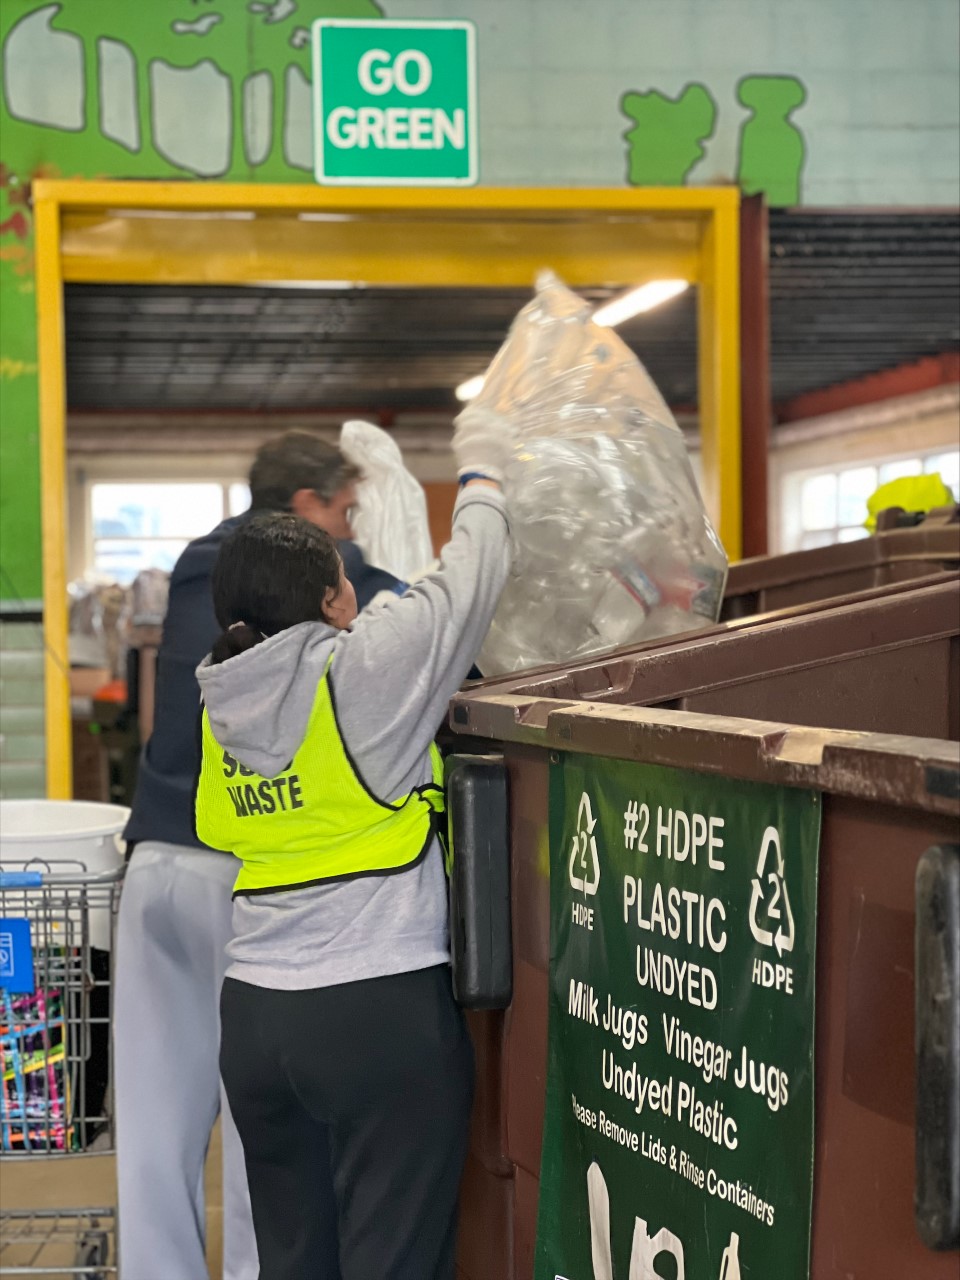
x=305, y=284
x=188, y=215
x=472, y=387
x=612, y=313
x=645, y=298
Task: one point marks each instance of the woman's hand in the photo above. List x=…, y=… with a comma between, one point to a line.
x=481, y=447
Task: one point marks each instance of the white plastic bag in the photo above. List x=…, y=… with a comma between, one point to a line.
x=391, y=525
x=612, y=545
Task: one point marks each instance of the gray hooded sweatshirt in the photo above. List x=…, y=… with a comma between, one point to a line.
x=393, y=673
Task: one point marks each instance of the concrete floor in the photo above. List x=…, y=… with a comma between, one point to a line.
x=90, y=1182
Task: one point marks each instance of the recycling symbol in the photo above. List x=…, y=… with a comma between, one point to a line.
x=584, y=863
x=778, y=906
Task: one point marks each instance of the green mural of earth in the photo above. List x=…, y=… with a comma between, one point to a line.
x=771, y=147
x=667, y=137
x=668, y=134
x=124, y=85
x=116, y=89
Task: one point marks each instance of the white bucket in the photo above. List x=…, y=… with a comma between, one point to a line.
x=65, y=837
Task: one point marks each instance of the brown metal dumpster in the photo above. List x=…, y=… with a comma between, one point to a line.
x=886, y=661
x=729, y=626
x=886, y=801
x=898, y=552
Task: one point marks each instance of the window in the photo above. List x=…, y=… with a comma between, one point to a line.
x=146, y=526
x=948, y=466
x=833, y=504
x=239, y=499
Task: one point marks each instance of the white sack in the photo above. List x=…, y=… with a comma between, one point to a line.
x=390, y=525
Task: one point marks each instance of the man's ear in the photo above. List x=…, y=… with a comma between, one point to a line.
x=302, y=502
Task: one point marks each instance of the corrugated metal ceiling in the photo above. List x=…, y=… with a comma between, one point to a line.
x=851, y=294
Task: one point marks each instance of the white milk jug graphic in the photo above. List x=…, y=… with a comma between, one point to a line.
x=645, y=1248
x=730, y=1262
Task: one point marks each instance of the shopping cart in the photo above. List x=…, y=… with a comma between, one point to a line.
x=56, y=934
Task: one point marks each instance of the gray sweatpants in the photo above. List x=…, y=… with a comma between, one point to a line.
x=172, y=934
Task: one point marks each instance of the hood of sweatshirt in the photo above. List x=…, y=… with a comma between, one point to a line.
x=259, y=702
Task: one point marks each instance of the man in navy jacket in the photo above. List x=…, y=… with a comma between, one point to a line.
x=175, y=910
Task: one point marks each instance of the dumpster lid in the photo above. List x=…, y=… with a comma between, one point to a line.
x=916, y=773
x=936, y=539
x=792, y=639
x=733, y=626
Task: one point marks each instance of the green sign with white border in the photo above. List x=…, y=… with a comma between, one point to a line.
x=679, y=1118
x=394, y=103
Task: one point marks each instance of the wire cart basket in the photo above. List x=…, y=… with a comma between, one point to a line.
x=56, y=934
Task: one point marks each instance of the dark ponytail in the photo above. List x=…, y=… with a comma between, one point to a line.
x=272, y=573
x=237, y=638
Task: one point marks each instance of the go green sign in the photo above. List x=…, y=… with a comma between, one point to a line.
x=394, y=103
x=679, y=1121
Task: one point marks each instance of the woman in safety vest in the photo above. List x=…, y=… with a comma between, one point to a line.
x=346, y=1061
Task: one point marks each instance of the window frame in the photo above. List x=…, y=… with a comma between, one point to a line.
x=792, y=527
x=119, y=540
x=85, y=473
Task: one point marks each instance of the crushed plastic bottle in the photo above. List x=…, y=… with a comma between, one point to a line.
x=612, y=545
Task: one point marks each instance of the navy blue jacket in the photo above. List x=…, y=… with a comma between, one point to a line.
x=163, y=804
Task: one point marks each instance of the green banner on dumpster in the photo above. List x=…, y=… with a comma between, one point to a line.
x=679, y=1123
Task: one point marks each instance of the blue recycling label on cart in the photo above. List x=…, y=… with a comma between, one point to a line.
x=16, y=957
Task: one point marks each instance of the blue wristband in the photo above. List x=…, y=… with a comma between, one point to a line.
x=474, y=475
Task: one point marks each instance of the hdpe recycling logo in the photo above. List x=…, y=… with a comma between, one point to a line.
x=776, y=902
x=584, y=863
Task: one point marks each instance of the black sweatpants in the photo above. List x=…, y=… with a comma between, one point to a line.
x=353, y=1105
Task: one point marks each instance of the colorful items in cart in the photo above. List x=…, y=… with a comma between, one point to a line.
x=35, y=1104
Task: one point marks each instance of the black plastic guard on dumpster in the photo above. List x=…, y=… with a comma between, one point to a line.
x=480, y=941
x=937, y=1195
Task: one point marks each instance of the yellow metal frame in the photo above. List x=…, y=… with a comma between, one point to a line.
x=123, y=232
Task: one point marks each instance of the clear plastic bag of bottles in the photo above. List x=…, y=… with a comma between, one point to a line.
x=612, y=545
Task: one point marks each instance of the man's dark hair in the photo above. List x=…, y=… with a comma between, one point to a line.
x=271, y=573
x=293, y=461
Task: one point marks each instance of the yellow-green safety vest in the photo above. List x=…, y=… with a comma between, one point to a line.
x=316, y=821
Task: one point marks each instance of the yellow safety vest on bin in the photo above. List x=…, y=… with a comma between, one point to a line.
x=316, y=821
